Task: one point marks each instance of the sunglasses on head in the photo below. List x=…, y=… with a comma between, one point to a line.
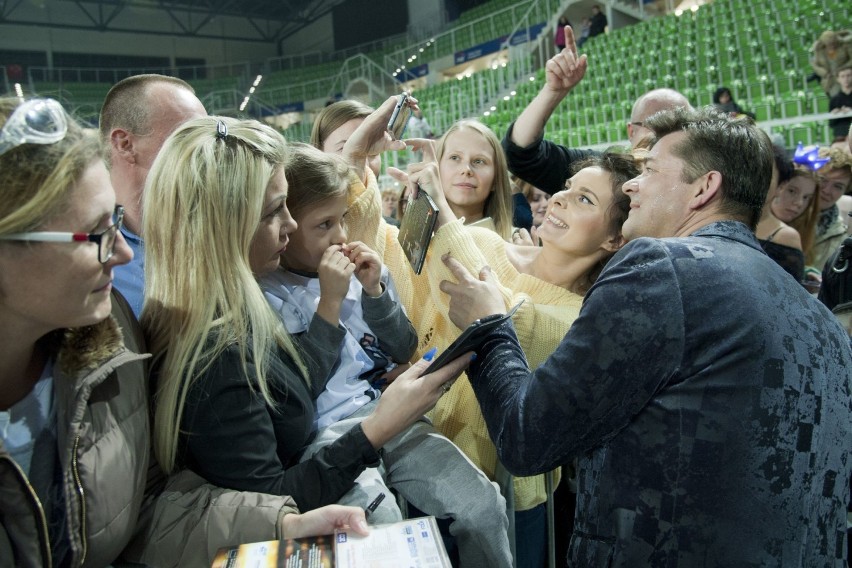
x=36, y=121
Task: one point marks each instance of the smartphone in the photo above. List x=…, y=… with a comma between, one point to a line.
x=399, y=119
x=416, y=228
x=471, y=338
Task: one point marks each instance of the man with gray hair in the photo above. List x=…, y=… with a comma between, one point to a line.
x=137, y=116
x=546, y=165
x=706, y=395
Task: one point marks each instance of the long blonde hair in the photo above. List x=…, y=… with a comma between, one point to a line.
x=334, y=116
x=498, y=204
x=203, y=201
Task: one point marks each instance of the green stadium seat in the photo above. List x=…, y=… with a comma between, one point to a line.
x=577, y=137
x=819, y=102
x=712, y=75
x=791, y=80
x=804, y=133
x=615, y=131
x=765, y=108
x=792, y=104
x=761, y=86
x=704, y=96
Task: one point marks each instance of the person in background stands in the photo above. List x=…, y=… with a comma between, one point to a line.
x=598, y=22
x=842, y=102
x=559, y=36
x=723, y=100
x=830, y=53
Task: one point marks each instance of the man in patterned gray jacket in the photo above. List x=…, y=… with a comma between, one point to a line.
x=705, y=394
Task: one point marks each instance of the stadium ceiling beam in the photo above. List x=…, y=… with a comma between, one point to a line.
x=183, y=19
x=101, y=20
x=6, y=8
x=273, y=20
x=42, y=25
x=268, y=34
x=102, y=15
x=209, y=9
x=312, y=11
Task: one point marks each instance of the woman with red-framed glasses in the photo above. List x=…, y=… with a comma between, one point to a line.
x=73, y=397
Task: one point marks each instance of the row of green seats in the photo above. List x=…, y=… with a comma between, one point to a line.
x=774, y=84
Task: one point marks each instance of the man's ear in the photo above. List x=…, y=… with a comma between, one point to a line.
x=708, y=188
x=615, y=243
x=121, y=145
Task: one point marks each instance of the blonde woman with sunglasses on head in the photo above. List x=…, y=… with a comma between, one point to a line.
x=73, y=398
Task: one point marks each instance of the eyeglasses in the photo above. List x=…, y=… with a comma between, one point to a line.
x=36, y=121
x=104, y=240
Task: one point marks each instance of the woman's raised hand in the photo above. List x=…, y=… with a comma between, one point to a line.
x=425, y=176
x=424, y=145
x=372, y=137
x=565, y=69
x=408, y=398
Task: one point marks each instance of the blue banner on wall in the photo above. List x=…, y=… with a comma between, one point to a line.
x=493, y=46
x=292, y=107
x=412, y=73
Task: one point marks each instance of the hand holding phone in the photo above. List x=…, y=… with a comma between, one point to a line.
x=399, y=119
x=471, y=338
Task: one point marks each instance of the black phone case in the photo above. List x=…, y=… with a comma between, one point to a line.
x=471, y=338
x=416, y=228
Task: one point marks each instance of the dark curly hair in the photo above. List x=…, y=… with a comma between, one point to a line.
x=621, y=168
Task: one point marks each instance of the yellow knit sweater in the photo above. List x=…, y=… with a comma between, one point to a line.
x=540, y=323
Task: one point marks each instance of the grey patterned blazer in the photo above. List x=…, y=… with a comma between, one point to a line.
x=707, y=397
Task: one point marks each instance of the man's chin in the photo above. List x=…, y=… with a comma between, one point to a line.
x=629, y=230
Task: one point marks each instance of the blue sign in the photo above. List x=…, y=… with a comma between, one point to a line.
x=292, y=107
x=413, y=73
x=494, y=45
